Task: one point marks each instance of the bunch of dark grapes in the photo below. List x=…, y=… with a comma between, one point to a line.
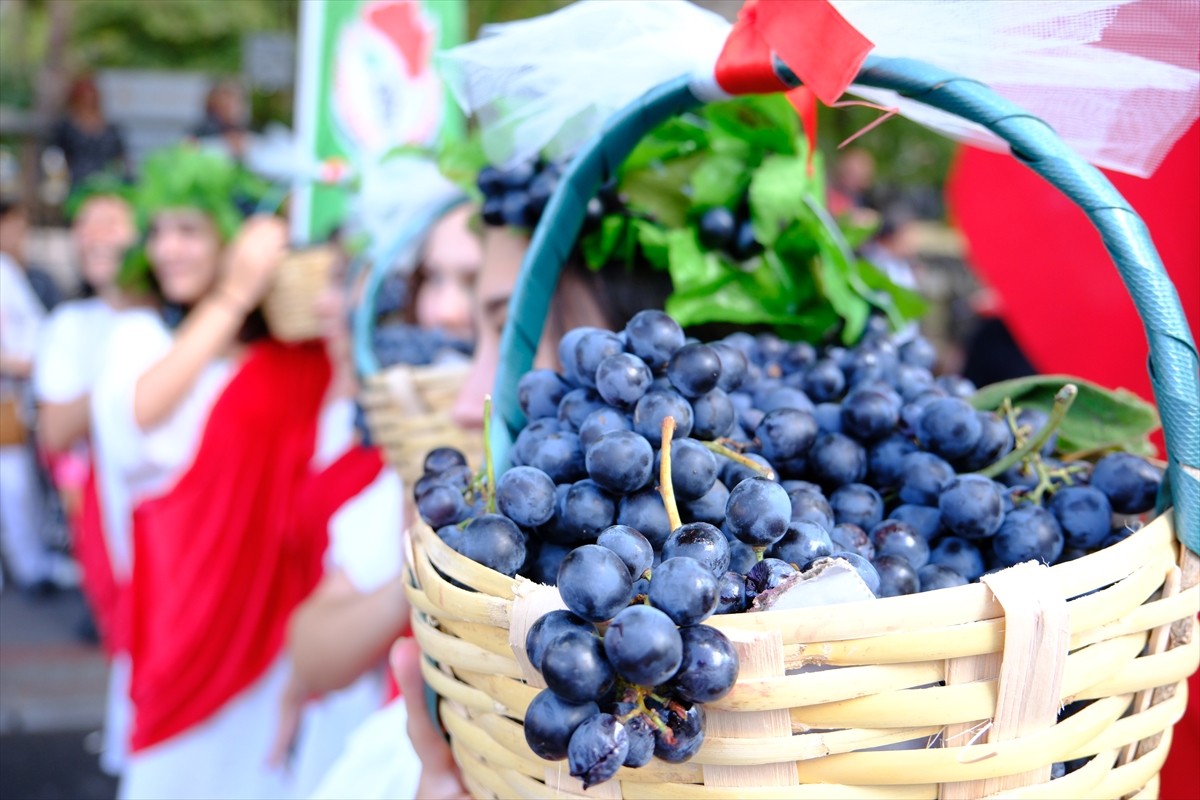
x=401, y=343
x=721, y=228
x=782, y=458
x=629, y=665
x=516, y=197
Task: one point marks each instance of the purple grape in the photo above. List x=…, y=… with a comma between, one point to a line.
x=709, y=668
x=643, y=645
x=550, y=721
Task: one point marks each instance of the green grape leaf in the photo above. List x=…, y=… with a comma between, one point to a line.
x=675, y=138
x=767, y=123
x=778, y=189
x=859, y=227
x=600, y=246
x=653, y=242
x=658, y=190
x=720, y=181
x=902, y=305
x=1100, y=419
x=692, y=268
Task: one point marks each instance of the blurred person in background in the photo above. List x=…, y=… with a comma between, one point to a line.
x=226, y=118
x=339, y=636
x=66, y=367
x=21, y=508
x=443, y=283
x=851, y=182
x=606, y=299
x=90, y=143
x=204, y=431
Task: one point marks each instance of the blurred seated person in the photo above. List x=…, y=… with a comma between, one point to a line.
x=226, y=118
x=89, y=142
x=22, y=512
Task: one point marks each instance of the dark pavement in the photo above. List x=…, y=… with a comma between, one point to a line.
x=52, y=687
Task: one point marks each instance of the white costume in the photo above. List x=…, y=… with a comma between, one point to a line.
x=226, y=755
x=21, y=510
x=365, y=543
x=70, y=352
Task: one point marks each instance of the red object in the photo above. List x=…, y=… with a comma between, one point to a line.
x=1067, y=307
x=100, y=586
x=1062, y=297
x=812, y=38
x=220, y=560
x=816, y=42
x=401, y=21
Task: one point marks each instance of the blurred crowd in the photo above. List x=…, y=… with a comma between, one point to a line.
x=216, y=491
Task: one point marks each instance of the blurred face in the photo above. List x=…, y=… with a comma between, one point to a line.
x=103, y=230
x=228, y=105
x=452, y=259
x=185, y=250
x=573, y=305
x=13, y=227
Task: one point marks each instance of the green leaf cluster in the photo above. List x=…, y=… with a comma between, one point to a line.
x=1100, y=419
x=747, y=155
x=188, y=177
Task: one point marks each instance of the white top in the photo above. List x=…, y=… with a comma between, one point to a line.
x=21, y=315
x=71, y=348
x=132, y=463
x=365, y=543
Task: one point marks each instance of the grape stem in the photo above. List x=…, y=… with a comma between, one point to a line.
x=489, y=491
x=1062, y=404
x=665, y=487
x=733, y=455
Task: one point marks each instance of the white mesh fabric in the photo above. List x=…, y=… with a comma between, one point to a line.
x=549, y=83
x=392, y=194
x=1119, y=80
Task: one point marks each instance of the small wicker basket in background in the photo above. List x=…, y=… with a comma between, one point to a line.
x=408, y=413
x=289, y=305
x=408, y=407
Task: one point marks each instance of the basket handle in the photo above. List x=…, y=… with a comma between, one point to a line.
x=363, y=323
x=1174, y=366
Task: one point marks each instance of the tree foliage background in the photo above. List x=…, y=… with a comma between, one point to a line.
x=206, y=36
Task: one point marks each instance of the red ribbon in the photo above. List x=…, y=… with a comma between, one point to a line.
x=811, y=37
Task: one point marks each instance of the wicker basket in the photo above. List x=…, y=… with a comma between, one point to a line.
x=973, y=677
x=408, y=412
x=407, y=407
x=289, y=305
x=947, y=694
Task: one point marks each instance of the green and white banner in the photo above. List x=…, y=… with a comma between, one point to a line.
x=366, y=86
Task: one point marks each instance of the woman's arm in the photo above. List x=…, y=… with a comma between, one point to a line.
x=213, y=324
x=338, y=633
x=60, y=425
x=15, y=367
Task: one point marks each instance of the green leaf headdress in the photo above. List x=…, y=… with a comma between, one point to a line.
x=189, y=177
x=103, y=184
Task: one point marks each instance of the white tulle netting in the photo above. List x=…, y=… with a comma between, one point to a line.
x=392, y=193
x=1119, y=80
x=547, y=84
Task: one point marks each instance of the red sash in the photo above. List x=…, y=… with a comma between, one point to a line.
x=100, y=586
x=220, y=561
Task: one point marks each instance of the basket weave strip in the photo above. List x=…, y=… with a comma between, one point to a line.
x=408, y=412
x=1114, y=644
x=290, y=304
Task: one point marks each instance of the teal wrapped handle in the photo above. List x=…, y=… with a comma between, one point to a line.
x=363, y=322
x=1174, y=366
